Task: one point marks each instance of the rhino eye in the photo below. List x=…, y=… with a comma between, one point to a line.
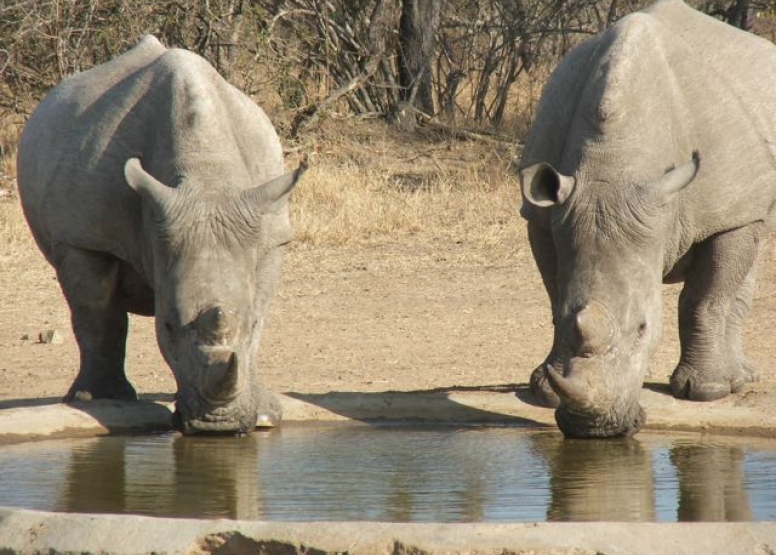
x=642, y=329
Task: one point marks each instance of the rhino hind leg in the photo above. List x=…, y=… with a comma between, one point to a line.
x=713, y=305
x=89, y=282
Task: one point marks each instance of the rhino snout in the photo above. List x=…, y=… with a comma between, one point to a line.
x=220, y=399
x=588, y=407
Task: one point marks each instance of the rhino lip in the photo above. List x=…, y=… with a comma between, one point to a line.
x=220, y=419
x=204, y=426
x=587, y=425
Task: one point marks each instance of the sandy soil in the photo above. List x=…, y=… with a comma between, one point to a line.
x=416, y=314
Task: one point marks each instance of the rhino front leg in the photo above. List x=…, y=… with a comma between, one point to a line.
x=543, y=249
x=735, y=323
x=713, y=304
x=89, y=282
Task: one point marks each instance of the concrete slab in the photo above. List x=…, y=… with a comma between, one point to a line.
x=747, y=414
x=29, y=532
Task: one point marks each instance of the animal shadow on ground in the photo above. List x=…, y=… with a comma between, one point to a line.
x=434, y=405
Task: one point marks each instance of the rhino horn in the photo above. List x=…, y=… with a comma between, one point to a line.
x=570, y=391
x=272, y=195
x=146, y=184
x=594, y=329
x=224, y=388
x=544, y=186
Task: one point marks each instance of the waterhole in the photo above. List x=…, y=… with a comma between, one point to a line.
x=398, y=474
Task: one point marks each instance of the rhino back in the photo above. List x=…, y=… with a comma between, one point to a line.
x=171, y=109
x=641, y=97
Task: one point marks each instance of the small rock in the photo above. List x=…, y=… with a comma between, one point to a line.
x=51, y=337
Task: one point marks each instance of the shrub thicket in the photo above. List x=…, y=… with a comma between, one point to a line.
x=302, y=57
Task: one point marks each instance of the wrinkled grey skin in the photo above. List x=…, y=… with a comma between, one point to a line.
x=651, y=160
x=154, y=187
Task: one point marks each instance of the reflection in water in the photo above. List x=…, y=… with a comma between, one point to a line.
x=394, y=474
x=410, y=474
x=600, y=480
x=710, y=483
x=179, y=477
x=221, y=474
x=96, y=479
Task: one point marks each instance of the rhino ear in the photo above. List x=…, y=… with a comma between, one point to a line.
x=146, y=185
x=273, y=195
x=544, y=186
x=665, y=188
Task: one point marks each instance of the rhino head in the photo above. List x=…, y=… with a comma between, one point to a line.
x=216, y=262
x=608, y=243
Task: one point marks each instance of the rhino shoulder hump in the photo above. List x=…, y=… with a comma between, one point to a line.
x=636, y=48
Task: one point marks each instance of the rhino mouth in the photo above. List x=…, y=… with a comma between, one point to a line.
x=583, y=413
x=216, y=420
x=196, y=412
x=588, y=424
x=254, y=407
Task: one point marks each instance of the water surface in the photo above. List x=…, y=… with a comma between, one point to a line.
x=400, y=474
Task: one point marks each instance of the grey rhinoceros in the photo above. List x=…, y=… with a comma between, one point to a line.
x=652, y=159
x=156, y=188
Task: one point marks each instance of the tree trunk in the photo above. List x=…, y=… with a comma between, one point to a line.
x=741, y=15
x=417, y=29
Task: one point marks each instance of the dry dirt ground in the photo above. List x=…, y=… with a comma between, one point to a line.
x=439, y=305
x=416, y=314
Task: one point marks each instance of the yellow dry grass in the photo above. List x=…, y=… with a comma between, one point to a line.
x=373, y=184
x=16, y=242
x=344, y=204
x=368, y=183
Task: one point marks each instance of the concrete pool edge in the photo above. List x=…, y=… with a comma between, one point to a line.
x=28, y=532
x=730, y=416
x=25, y=531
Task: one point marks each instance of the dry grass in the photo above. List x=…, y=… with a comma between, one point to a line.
x=371, y=184
x=9, y=137
x=367, y=184
x=345, y=204
x=15, y=239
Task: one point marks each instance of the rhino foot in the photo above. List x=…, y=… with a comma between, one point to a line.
x=689, y=383
x=540, y=388
x=120, y=390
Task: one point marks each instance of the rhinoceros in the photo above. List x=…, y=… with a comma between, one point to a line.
x=652, y=159
x=154, y=187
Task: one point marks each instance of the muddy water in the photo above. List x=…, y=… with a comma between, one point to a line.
x=404, y=474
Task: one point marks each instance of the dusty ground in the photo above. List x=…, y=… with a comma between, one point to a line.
x=450, y=300
x=416, y=314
